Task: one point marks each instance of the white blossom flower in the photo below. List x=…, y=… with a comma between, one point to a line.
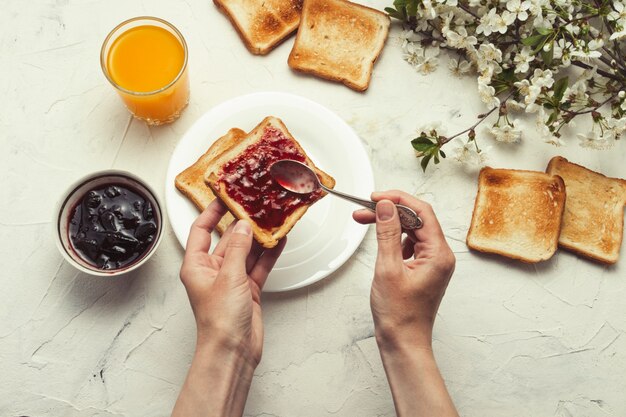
x=561, y=50
x=514, y=105
x=459, y=68
x=468, y=155
x=542, y=78
x=522, y=59
x=506, y=133
x=584, y=51
x=553, y=140
x=504, y=20
x=518, y=8
x=408, y=36
x=488, y=95
x=593, y=140
x=619, y=13
x=460, y=38
x=620, y=33
x=615, y=127
x=446, y=22
x=488, y=23
x=413, y=53
x=429, y=11
x=490, y=52
x=427, y=65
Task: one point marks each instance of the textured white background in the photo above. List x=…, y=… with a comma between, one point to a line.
x=511, y=339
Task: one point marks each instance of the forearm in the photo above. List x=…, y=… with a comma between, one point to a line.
x=415, y=381
x=217, y=384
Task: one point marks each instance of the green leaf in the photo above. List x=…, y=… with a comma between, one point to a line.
x=425, y=161
x=411, y=7
x=508, y=75
x=559, y=88
x=544, y=31
x=422, y=147
x=400, y=5
x=552, y=117
x=394, y=13
x=423, y=144
x=423, y=139
x=501, y=88
x=534, y=40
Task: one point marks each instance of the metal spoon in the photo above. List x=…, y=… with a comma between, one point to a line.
x=300, y=179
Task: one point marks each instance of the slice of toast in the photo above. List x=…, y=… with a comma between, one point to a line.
x=517, y=214
x=593, y=223
x=340, y=41
x=246, y=165
x=262, y=24
x=191, y=183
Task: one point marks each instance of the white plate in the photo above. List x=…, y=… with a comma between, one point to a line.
x=326, y=236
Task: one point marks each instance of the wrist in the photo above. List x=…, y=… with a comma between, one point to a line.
x=392, y=338
x=224, y=356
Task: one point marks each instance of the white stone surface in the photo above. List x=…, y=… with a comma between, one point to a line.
x=511, y=339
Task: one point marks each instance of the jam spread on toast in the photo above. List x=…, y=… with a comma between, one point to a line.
x=247, y=180
x=112, y=226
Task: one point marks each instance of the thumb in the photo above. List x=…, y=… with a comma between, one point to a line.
x=388, y=233
x=237, y=250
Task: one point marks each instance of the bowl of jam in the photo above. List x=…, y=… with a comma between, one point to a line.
x=108, y=223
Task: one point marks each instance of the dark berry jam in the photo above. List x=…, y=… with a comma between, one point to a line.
x=248, y=181
x=112, y=226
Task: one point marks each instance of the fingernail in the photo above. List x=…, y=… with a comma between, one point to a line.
x=385, y=210
x=242, y=227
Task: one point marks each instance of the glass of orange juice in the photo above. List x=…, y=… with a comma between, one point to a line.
x=145, y=58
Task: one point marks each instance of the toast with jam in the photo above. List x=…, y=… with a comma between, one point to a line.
x=191, y=183
x=262, y=24
x=593, y=223
x=517, y=214
x=240, y=177
x=339, y=40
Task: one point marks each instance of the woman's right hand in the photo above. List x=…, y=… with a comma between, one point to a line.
x=405, y=296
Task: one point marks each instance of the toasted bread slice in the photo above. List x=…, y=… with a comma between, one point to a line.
x=517, y=214
x=249, y=156
x=593, y=223
x=262, y=24
x=340, y=41
x=191, y=183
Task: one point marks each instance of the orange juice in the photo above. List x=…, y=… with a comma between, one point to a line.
x=146, y=60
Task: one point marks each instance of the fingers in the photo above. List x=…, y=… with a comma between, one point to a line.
x=431, y=229
x=237, y=250
x=364, y=216
x=220, y=248
x=388, y=233
x=266, y=262
x=254, y=255
x=199, y=239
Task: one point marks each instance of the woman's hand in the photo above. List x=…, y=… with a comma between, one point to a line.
x=406, y=295
x=224, y=290
x=224, y=287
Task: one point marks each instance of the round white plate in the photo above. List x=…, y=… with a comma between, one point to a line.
x=326, y=236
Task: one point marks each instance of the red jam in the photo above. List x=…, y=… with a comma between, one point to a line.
x=248, y=181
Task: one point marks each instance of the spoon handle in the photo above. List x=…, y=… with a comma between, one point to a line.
x=408, y=218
